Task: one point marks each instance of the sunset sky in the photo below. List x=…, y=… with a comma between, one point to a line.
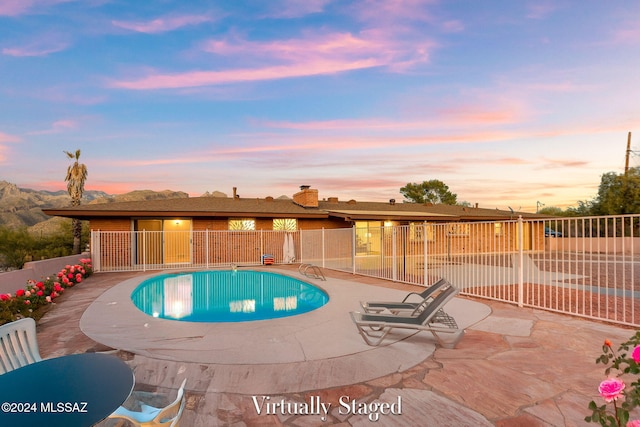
x=509, y=103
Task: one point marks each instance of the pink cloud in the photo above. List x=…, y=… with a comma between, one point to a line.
x=453, y=26
x=309, y=56
x=34, y=50
x=630, y=35
x=475, y=115
x=386, y=11
x=562, y=163
x=21, y=7
x=57, y=127
x=334, y=45
x=8, y=138
x=161, y=25
x=467, y=115
x=297, y=8
x=206, y=78
x=540, y=10
x=15, y=7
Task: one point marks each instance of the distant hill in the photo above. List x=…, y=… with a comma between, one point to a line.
x=22, y=207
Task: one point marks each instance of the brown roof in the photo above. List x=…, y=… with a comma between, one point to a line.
x=283, y=208
x=192, y=206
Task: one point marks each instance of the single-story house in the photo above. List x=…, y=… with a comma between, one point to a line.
x=304, y=211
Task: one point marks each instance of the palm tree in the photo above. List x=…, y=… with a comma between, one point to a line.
x=76, y=176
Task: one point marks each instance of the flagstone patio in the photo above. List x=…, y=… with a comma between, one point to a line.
x=514, y=367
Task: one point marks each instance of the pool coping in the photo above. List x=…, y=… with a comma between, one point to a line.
x=317, y=349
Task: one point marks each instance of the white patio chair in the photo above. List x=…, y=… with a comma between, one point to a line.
x=18, y=345
x=151, y=416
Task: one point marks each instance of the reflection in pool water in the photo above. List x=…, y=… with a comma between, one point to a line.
x=226, y=296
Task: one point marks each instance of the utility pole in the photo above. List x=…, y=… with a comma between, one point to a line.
x=626, y=158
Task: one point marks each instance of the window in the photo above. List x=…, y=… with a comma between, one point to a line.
x=368, y=237
x=418, y=231
x=459, y=229
x=285, y=224
x=242, y=224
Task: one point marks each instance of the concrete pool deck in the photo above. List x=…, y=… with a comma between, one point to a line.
x=516, y=367
x=287, y=354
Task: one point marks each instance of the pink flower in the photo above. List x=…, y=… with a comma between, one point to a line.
x=20, y=292
x=5, y=297
x=27, y=294
x=635, y=355
x=27, y=302
x=611, y=389
x=48, y=298
x=39, y=293
x=79, y=279
x=633, y=423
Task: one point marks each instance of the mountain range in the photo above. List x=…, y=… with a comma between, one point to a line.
x=22, y=207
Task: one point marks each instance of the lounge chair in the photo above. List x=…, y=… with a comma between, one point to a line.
x=18, y=345
x=151, y=416
x=396, y=307
x=374, y=327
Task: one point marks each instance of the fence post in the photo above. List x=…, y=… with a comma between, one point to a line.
x=425, y=257
x=323, y=264
x=144, y=248
x=520, y=262
x=206, y=250
x=95, y=250
x=394, y=267
x=353, y=249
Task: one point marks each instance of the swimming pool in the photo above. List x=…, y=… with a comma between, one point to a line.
x=226, y=296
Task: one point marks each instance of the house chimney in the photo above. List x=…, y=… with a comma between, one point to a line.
x=306, y=197
x=235, y=194
x=332, y=200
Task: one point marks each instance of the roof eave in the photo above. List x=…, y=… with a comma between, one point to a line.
x=87, y=214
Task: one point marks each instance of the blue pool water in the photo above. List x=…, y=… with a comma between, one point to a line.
x=226, y=296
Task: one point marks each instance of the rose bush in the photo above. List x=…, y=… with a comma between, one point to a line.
x=614, y=390
x=37, y=294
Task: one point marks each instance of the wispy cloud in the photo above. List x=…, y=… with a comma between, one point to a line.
x=378, y=12
x=627, y=35
x=296, y=8
x=460, y=116
x=540, y=9
x=206, y=78
x=21, y=7
x=38, y=49
x=162, y=25
x=562, y=163
x=8, y=138
x=14, y=7
x=313, y=55
x=57, y=127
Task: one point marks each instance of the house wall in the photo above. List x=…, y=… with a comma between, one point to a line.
x=116, y=249
x=110, y=224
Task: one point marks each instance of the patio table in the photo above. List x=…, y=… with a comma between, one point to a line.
x=73, y=390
